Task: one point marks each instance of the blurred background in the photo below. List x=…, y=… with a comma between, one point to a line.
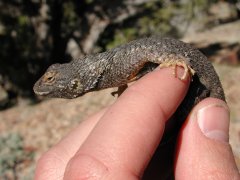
x=37, y=33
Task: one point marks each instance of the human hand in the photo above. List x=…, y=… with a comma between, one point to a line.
x=119, y=141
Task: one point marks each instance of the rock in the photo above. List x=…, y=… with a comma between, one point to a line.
x=229, y=55
x=221, y=44
x=227, y=34
x=223, y=11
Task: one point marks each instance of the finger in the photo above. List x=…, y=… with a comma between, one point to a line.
x=203, y=148
x=53, y=163
x=125, y=138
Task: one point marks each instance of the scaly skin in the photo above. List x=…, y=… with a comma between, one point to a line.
x=123, y=64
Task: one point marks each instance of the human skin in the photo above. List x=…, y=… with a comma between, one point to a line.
x=119, y=141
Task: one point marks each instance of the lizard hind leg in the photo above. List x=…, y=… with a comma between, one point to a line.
x=174, y=64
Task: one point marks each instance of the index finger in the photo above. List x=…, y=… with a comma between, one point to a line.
x=125, y=138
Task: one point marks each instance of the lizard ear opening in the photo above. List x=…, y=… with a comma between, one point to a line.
x=76, y=86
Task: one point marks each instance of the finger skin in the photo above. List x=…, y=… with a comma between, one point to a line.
x=200, y=157
x=125, y=138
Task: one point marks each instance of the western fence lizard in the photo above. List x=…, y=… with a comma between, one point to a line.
x=129, y=62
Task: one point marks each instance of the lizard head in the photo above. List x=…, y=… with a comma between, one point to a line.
x=59, y=81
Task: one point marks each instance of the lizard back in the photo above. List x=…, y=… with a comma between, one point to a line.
x=138, y=57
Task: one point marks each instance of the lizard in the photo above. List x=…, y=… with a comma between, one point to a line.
x=129, y=62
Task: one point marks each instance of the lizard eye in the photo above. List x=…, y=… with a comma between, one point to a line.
x=49, y=77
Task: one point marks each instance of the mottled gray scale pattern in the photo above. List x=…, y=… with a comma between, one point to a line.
x=121, y=62
x=119, y=65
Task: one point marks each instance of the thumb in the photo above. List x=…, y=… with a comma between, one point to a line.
x=203, y=151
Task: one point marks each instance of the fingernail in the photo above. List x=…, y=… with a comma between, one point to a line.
x=213, y=121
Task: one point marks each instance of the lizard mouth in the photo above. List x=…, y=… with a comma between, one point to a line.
x=42, y=93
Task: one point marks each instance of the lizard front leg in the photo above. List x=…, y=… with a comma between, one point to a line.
x=135, y=75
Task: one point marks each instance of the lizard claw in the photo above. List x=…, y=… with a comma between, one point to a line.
x=120, y=90
x=114, y=93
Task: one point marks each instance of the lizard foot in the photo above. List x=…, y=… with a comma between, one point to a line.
x=120, y=90
x=174, y=64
